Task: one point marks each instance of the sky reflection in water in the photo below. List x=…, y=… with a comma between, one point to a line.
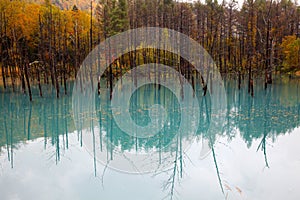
x=256, y=156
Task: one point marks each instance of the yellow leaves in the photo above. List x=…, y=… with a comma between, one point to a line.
x=291, y=50
x=287, y=41
x=22, y=18
x=30, y=19
x=12, y=12
x=79, y=19
x=84, y=22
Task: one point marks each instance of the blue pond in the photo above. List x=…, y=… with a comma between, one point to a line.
x=46, y=154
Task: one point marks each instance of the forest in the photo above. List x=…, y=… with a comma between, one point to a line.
x=45, y=43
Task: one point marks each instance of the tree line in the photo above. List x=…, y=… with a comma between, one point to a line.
x=42, y=43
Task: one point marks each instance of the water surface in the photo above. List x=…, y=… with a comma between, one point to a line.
x=43, y=155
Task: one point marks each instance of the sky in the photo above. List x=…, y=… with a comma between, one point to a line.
x=243, y=173
x=240, y=2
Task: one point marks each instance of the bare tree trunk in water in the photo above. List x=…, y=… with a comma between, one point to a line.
x=251, y=53
x=193, y=83
x=99, y=85
x=240, y=64
x=1, y=53
x=268, y=69
x=250, y=80
x=11, y=72
x=22, y=78
x=204, y=85
x=98, y=69
x=64, y=59
x=110, y=72
x=50, y=47
x=39, y=80
x=239, y=80
x=252, y=92
x=27, y=79
x=53, y=60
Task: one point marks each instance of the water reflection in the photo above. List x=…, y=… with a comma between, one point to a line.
x=267, y=115
x=23, y=121
x=270, y=113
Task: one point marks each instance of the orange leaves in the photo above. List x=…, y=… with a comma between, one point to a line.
x=30, y=20
x=291, y=50
x=22, y=18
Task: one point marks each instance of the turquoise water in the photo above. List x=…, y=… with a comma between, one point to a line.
x=44, y=155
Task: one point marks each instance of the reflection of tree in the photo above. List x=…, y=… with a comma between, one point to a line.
x=259, y=117
x=212, y=139
x=217, y=168
x=268, y=114
x=47, y=118
x=266, y=122
x=139, y=108
x=9, y=138
x=170, y=183
x=264, y=115
x=166, y=140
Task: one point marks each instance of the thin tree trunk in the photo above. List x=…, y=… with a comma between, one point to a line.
x=3, y=74
x=27, y=80
x=39, y=80
x=12, y=77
